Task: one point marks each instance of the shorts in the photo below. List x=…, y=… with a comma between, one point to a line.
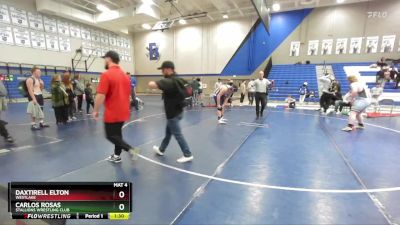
x=360, y=105
x=3, y=103
x=222, y=100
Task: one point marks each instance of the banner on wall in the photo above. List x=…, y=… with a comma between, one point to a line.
x=120, y=42
x=341, y=46
x=313, y=47
x=104, y=50
x=63, y=28
x=4, y=15
x=52, y=42
x=50, y=24
x=326, y=48
x=35, y=21
x=6, y=35
x=127, y=43
x=294, y=49
x=371, y=45
x=355, y=45
x=95, y=36
x=388, y=43
x=85, y=34
x=65, y=44
x=104, y=38
x=86, y=48
x=96, y=49
x=75, y=31
x=113, y=40
x=18, y=17
x=38, y=40
x=21, y=37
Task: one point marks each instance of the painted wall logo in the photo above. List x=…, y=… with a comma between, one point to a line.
x=377, y=14
x=153, y=52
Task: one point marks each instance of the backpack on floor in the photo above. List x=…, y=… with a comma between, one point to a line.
x=23, y=88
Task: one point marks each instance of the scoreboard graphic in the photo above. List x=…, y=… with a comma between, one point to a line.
x=59, y=200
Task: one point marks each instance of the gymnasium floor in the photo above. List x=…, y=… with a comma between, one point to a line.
x=294, y=167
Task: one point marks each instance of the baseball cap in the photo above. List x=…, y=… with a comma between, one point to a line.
x=167, y=65
x=112, y=55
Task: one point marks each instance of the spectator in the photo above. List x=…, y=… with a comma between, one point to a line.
x=196, y=87
x=79, y=90
x=134, y=103
x=217, y=84
x=326, y=96
x=291, y=102
x=243, y=90
x=199, y=98
x=71, y=96
x=3, y=107
x=336, y=91
x=303, y=91
x=59, y=99
x=251, y=91
x=89, y=97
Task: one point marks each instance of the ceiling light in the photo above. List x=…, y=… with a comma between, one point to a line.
x=102, y=8
x=276, y=7
x=225, y=16
x=146, y=26
x=148, y=2
x=182, y=21
x=339, y=1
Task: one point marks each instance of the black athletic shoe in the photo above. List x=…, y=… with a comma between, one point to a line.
x=35, y=127
x=115, y=159
x=44, y=125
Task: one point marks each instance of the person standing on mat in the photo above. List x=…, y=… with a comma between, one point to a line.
x=221, y=98
x=79, y=90
x=89, y=97
x=261, y=85
x=243, y=90
x=114, y=92
x=171, y=87
x=360, y=100
x=35, y=86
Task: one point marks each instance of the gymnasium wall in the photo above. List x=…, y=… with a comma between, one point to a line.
x=17, y=54
x=196, y=49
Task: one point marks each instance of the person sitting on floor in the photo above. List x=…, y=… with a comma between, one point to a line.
x=291, y=102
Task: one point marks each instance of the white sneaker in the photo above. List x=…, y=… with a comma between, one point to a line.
x=184, y=159
x=74, y=118
x=360, y=127
x=347, y=129
x=338, y=113
x=221, y=121
x=157, y=150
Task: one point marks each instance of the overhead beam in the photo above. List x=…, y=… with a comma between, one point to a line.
x=201, y=9
x=81, y=6
x=237, y=7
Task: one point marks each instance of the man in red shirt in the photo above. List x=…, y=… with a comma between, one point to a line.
x=114, y=92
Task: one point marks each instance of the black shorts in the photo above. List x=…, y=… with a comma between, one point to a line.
x=39, y=99
x=222, y=100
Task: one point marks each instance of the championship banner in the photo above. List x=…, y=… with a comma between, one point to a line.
x=4, y=15
x=127, y=43
x=6, y=36
x=65, y=44
x=355, y=45
x=326, y=48
x=86, y=48
x=21, y=37
x=388, y=43
x=96, y=49
x=38, y=40
x=18, y=17
x=104, y=38
x=341, y=46
x=50, y=24
x=75, y=31
x=372, y=44
x=120, y=42
x=104, y=50
x=85, y=34
x=313, y=47
x=52, y=42
x=35, y=21
x=112, y=39
x=95, y=36
x=63, y=28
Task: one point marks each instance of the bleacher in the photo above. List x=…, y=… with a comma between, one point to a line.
x=368, y=76
x=15, y=72
x=289, y=78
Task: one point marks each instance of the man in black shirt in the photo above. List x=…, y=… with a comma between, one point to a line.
x=173, y=105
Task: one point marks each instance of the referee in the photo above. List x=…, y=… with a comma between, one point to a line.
x=261, y=84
